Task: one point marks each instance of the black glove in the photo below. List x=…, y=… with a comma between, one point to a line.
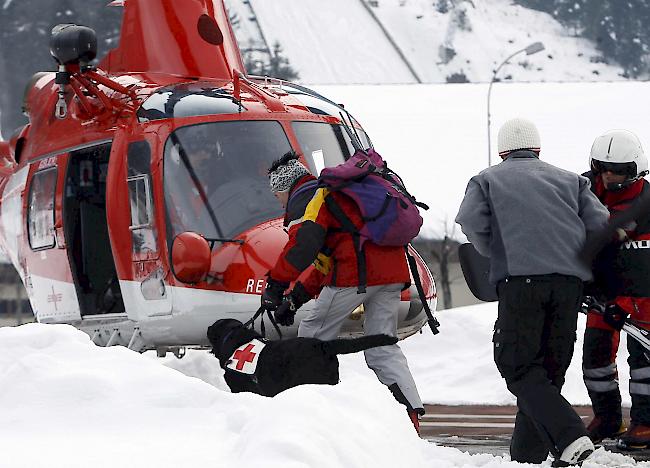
x=292, y=302
x=272, y=295
x=285, y=313
x=615, y=316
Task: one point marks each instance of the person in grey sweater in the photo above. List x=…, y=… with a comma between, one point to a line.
x=532, y=220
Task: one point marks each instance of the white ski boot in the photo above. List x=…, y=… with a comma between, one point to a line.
x=576, y=452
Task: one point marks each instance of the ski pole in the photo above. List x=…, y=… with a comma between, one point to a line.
x=639, y=334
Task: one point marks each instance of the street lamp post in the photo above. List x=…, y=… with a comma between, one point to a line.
x=530, y=50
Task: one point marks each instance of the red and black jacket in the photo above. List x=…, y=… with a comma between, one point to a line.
x=622, y=269
x=316, y=237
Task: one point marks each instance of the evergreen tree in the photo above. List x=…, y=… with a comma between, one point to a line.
x=619, y=28
x=275, y=65
x=25, y=27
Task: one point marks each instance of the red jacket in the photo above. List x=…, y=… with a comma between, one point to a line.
x=622, y=271
x=314, y=238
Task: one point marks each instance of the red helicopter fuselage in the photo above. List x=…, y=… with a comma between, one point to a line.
x=166, y=136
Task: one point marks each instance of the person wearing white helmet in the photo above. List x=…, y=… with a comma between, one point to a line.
x=622, y=280
x=531, y=219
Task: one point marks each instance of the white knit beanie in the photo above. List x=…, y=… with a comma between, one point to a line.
x=518, y=134
x=284, y=176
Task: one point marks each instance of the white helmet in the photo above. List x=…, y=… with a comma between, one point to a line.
x=618, y=151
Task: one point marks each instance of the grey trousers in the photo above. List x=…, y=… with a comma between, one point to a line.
x=381, y=303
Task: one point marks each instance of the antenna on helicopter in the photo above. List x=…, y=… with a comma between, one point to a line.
x=354, y=128
x=354, y=137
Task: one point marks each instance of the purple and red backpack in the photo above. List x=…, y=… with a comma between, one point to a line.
x=390, y=214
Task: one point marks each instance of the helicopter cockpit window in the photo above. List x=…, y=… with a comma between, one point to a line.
x=187, y=100
x=41, y=209
x=141, y=201
x=322, y=106
x=324, y=145
x=216, y=180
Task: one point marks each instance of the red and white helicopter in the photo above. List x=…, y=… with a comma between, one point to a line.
x=135, y=204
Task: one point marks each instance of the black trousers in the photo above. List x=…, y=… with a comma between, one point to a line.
x=534, y=337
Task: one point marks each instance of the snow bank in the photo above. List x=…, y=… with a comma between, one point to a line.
x=66, y=403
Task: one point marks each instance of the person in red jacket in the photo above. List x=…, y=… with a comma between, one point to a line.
x=622, y=281
x=313, y=218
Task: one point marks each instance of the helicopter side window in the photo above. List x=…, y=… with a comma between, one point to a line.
x=323, y=144
x=40, y=219
x=140, y=197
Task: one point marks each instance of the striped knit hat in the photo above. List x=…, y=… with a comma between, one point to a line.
x=285, y=171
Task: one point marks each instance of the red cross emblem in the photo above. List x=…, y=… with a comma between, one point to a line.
x=243, y=356
x=54, y=297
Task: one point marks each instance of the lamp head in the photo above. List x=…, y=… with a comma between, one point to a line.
x=534, y=48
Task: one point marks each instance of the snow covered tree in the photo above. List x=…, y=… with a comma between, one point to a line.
x=25, y=27
x=276, y=65
x=619, y=28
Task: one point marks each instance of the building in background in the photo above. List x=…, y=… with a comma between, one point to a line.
x=14, y=305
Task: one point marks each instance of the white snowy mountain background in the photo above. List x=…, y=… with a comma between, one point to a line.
x=66, y=403
x=340, y=41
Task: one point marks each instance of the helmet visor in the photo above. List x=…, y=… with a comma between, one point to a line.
x=626, y=169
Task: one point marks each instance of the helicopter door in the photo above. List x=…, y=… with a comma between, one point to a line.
x=148, y=294
x=86, y=232
x=48, y=278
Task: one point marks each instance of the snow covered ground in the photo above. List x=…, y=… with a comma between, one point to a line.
x=435, y=136
x=454, y=367
x=67, y=403
x=339, y=41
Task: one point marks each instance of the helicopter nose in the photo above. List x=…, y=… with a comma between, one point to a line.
x=243, y=268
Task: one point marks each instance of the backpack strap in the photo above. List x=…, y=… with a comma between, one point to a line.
x=390, y=176
x=433, y=322
x=382, y=210
x=307, y=186
x=348, y=226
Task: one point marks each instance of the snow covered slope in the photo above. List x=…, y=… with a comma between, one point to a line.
x=483, y=33
x=331, y=42
x=339, y=41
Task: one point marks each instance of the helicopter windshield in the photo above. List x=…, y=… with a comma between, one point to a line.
x=325, y=145
x=216, y=179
